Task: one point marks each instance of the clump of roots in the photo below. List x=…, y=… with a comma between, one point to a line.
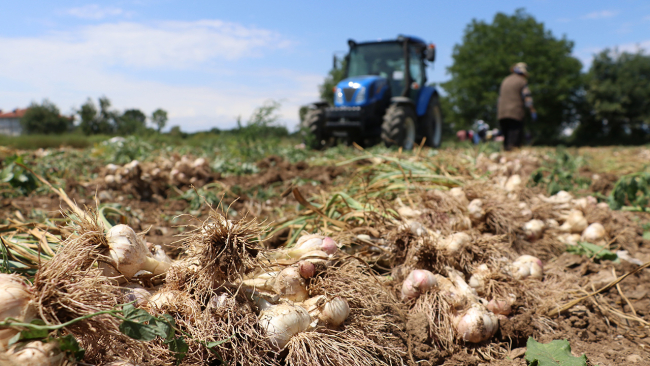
x=230, y=321
x=70, y=286
x=372, y=330
x=438, y=313
x=218, y=251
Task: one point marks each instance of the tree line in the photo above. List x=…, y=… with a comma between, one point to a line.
x=607, y=104
x=45, y=118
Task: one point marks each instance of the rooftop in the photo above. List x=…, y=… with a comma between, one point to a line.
x=16, y=113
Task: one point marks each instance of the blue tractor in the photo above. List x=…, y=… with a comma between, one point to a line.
x=380, y=98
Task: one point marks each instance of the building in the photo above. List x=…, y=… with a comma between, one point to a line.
x=10, y=122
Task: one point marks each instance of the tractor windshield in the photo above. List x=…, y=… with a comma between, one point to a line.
x=385, y=60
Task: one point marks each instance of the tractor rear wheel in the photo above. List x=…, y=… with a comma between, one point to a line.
x=431, y=123
x=398, y=128
x=314, y=129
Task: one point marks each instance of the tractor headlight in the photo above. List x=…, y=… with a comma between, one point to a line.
x=361, y=95
x=338, y=96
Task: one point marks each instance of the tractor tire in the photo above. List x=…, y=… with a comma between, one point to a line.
x=314, y=128
x=431, y=123
x=398, y=128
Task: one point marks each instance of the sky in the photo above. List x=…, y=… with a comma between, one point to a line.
x=208, y=62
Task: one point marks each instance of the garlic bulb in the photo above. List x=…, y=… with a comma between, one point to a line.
x=282, y=321
x=159, y=254
x=569, y=239
x=460, y=223
x=594, y=233
x=416, y=283
x=585, y=203
x=551, y=224
x=15, y=302
x=528, y=266
x=408, y=213
x=459, y=195
x=533, y=229
x=526, y=213
x=129, y=254
x=575, y=222
x=308, y=243
x=478, y=281
x=335, y=311
x=415, y=227
x=306, y=269
x=561, y=197
x=603, y=206
x=476, y=324
x=137, y=293
x=34, y=353
x=290, y=285
x=475, y=209
x=501, y=306
x=513, y=183
x=454, y=243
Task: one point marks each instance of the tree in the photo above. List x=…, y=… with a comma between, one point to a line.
x=484, y=58
x=95, y=122
x=617, y=95
x=45, y=118
x=130, y=122
x=159, y=118
x=335, y=75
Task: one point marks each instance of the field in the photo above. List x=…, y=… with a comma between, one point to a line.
x=466, y=214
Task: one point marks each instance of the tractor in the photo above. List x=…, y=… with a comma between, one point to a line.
x=380, y=99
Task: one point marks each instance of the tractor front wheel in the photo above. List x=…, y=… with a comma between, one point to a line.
x=398, y=128
x=313, y=127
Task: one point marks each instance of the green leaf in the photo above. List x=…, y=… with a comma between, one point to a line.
x=164, y=329
x=646, y=235
x=140, y=331
x=555, y=353
x=70, y=345
x=30, y=333
x=592, y=251
x=134, y=314
x=179, y=347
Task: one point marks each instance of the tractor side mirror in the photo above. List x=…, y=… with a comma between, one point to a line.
x=430, y=52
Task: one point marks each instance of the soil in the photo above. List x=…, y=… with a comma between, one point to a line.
x=592, y=327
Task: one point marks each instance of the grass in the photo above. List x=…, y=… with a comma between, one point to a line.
x=32, y=142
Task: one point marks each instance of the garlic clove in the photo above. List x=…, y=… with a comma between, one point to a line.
x=280, y=322
x=335, y=311
x=528, y=266
x=533, y=229
x=290, y=285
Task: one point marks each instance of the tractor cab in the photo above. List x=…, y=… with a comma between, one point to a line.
x=383, y=95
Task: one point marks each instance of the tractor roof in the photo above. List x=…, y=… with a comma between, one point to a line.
x=400, y=38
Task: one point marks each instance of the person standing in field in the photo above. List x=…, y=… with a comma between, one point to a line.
x=514, y=98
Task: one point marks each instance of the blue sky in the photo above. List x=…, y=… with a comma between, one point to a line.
x=207, y=62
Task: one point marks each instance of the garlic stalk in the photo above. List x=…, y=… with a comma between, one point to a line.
x=416, y=283
x=280, y=322
x=129, y=254
x=15, y=302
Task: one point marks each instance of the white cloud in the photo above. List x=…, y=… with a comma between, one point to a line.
x=586, y=55
x=94, y=11
x=110, y=59
x=601, y=14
